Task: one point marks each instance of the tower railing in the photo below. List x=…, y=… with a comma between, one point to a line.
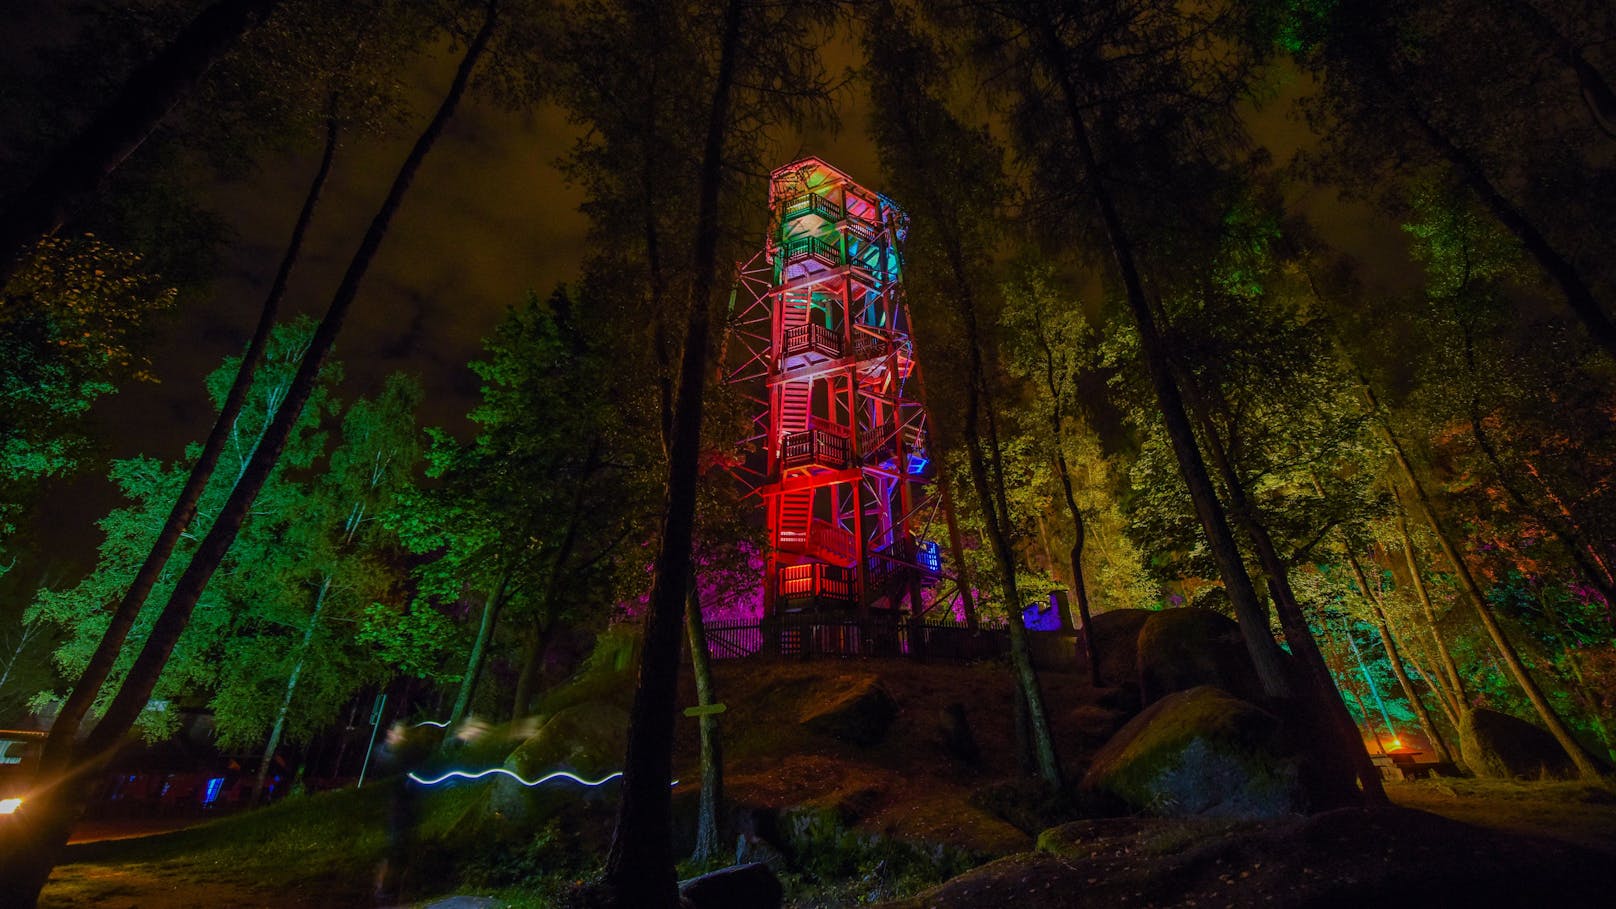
x=811, y=203
x=825, y=252
x=811, y=338
x=816, y=581
x=818, y=446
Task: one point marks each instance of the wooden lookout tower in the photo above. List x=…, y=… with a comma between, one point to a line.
x=842, y=459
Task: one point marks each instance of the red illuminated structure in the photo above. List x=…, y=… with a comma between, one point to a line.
x=820, y=336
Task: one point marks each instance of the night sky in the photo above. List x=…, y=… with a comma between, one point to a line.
x=488, y=219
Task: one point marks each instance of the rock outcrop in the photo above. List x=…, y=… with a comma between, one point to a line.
x=752, y=886
x=1199, y=752
x=586, y=739
x=1179, y=649
x=1499, y=746
x=860, y=713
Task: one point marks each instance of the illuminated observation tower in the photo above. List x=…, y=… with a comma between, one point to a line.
x=821, y=338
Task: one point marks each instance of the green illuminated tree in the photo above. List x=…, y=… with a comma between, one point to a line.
x=533, y=512
x=150, y=486
x=341, y=562
x=38, y=846
x=70, y=325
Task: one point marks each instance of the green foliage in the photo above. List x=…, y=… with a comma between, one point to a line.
x=411, y=639
x=70, y=323
x=548, y=493
x=307, y=562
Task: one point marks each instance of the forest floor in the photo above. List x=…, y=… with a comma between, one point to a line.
x=322, y=851
x=312, y=856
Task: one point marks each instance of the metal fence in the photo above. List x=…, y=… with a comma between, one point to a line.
x=805, y=636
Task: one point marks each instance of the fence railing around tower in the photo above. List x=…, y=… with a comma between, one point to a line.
x=806, y=635
x=815, y=582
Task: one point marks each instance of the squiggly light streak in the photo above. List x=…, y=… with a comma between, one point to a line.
x=559, y=774
x=432, y=723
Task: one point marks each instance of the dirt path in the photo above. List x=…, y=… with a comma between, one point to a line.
x=1570, y=812
x=145, y=887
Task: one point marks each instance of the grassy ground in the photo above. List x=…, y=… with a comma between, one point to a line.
x=323, y=850
x=315, y=851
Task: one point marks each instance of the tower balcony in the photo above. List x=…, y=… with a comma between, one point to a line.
x=811, y=204
x=805, y=250
x=816, y=448
x=805, y=345
x=870, y=347
x=799, y=585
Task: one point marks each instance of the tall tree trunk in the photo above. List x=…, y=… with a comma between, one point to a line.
x=1478, y=600
x=1423, y=593
x=1321, y=683
x=639, y=864
x=551, y=604
x=996, y=517
x=527, y=680
x=78, y=171
x=1409, y=640
x=58, y=749
x=1080, y=587
x=981, y=455
x=479, y=645
x=1560, y=269
x=1393, y=656
x=1444, y=699
x=1250, y=611
x=291, y=689
x=23, y=878
x=1580, y=684
x=1080, y=590
x=1596, y=92
x=710, y=810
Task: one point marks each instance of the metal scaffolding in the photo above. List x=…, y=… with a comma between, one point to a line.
x=819, y=336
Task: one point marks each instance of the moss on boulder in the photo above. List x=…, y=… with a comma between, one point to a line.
x=1179, y=649
x=1499, y=746
x=1199, y=752
x=586, y=739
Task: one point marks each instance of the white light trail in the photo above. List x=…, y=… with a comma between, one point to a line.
x=559, y=774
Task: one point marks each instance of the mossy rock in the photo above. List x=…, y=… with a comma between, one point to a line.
x=1499, y=746
x=1199, y=752
x=1116, y=641
x=859, y=712
x=606, y=677
x=586, y=739
x=1179, y=649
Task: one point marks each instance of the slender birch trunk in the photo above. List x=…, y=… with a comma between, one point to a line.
x=291, y=689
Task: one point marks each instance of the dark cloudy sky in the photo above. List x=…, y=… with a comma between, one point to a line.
x=488, y=219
